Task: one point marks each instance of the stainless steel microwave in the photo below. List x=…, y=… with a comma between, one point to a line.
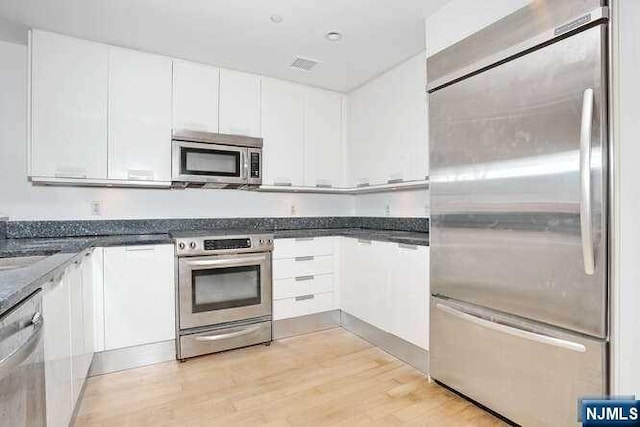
x=215, y=160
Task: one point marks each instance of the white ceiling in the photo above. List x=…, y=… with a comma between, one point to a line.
x=238, y=34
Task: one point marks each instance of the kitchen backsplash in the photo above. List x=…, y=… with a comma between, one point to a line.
x=52, y=229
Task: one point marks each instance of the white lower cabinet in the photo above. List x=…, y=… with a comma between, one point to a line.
x=387, y=285
x=56, y=311
x=68, y=347
x=139, y=295
x=304, y=272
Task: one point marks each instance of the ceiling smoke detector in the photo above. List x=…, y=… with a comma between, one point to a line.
x=334, y=36
x=304, y=64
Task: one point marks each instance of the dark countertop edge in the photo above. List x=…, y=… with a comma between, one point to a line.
x=77, y=247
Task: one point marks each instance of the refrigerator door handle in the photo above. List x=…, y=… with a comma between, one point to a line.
x=585, y=182
x=521, y=333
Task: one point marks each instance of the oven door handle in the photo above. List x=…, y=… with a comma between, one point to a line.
x=223, y=336
x=226, y=262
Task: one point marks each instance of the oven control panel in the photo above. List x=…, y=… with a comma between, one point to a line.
x=206, y=245
x=218, y=244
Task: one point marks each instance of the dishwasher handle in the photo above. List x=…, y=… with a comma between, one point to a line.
x=19, y=355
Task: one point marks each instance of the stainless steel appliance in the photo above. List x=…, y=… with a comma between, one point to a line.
x=519, y=228
x=215, y=160
x=224, y=291
x=22, y=386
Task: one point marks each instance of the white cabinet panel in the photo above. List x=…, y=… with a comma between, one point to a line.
x=295, y=287
x=409, y=284
x=302, y=305
x=283, y=132
x=97, y=270
x=74, y=276
x=89, y=285
x=323, y=147
x=56, y=310
x=139, y=116
x=364, y=287
x=302, y=266
x=195, y=96
x=139, y=295
x=239, y=103
x=291, y=248
x=69, y=83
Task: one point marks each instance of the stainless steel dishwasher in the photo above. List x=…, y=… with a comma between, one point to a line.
x=22, y=388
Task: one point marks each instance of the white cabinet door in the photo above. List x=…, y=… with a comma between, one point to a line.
x=195, y=96
x=88, y=268
x=283, y=132
x=364, y=289
x=239, y=103
x=409, y=284
x=74, y=274
x=69, y=83
x=56, y=310
x=323, y=149
x=139, y=295
x=139, y=116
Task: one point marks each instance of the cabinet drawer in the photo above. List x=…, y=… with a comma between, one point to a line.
x=302, y=266
x=302, y=305
x=302, y=285
x=291, y=248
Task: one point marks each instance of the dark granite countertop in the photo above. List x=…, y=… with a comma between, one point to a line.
x=17, y=284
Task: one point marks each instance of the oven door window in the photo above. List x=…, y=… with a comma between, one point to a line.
x=199, y=161
x=223, y=288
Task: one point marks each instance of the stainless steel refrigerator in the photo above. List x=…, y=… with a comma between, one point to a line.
x=519, y=148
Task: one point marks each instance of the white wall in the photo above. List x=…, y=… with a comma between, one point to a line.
x=19, y=199
x=459, y=19
x=626, y=284
x=413, y=203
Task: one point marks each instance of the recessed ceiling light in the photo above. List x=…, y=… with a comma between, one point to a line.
x=276, y=19
x=334, y=36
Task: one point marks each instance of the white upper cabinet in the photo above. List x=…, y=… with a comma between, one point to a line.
x=139, y=116
x=69, y=84
x=323, y=145
x=239, y=103
x=283, y=132
x=195, y=96
x=388, y=126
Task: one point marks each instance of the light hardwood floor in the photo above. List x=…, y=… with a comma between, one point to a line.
x=325, y=378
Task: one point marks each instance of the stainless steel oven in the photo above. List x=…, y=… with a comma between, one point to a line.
x=215, y=160
x=224, y=291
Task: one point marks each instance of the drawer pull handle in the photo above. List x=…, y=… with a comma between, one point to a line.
x=304, y=278
x=282, y=184
x=364, y=241
x=305, y=258
x=218, y=337
x=304, y=239
x=139, y=248
x=305, y=297
x=407, y=246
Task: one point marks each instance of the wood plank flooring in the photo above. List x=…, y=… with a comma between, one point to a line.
x=325, y=378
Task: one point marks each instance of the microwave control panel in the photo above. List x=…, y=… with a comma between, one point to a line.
x=255, y=165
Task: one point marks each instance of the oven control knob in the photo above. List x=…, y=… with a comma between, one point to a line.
x=192, y=245
x=181, y=245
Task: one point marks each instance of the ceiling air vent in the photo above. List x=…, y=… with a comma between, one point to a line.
x=303, y=64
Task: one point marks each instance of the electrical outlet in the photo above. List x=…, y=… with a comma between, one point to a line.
x=387, y=210
x=96, y=208
x=292, y=209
